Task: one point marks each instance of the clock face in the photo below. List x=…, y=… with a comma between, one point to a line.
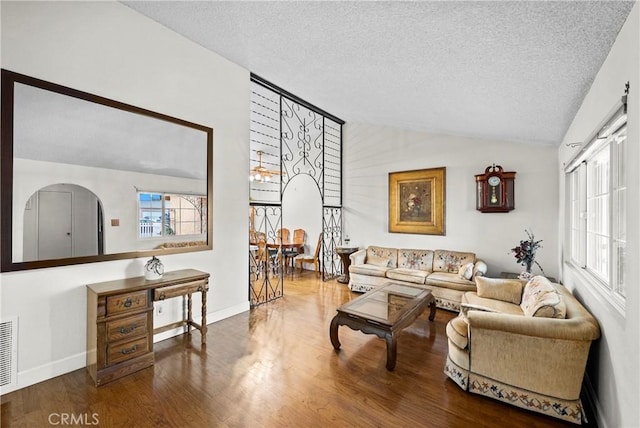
x=494, y=180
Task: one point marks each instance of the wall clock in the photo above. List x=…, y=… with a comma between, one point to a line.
x=495, y=190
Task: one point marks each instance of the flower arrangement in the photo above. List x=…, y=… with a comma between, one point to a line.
x=414, y=203
x=525, y=254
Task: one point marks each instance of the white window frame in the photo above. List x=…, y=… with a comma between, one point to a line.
x=596, y=210
x=163, y=208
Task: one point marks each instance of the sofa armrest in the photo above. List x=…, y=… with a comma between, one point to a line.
x=479, y=268
x=358, y=257
x=580, y=329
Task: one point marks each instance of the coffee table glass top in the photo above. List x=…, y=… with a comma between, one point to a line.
x=385, y=304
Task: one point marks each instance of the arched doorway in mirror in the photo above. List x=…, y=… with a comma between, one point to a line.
x=62, y=220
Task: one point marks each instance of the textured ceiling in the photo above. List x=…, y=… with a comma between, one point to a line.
x=515, y=71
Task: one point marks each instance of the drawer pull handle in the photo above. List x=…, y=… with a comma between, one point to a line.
x=127, y=330
x=128, y=302
x=133, y=349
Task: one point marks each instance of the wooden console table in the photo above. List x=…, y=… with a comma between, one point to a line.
x=120, y=320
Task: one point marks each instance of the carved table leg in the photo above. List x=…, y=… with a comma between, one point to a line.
x=189, y=315
x=392, y=349
x=203, y=328
x=333, y=333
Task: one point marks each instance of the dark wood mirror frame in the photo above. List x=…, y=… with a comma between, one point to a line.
x=7, y=264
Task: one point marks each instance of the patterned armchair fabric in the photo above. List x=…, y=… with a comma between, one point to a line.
x=533, y=362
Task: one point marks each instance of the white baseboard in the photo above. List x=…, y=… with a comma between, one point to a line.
x=48, y=371
x=74, y=362
x=593, y=402
x=211, y=318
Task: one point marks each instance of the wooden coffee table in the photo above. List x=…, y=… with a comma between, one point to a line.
x=384, y=311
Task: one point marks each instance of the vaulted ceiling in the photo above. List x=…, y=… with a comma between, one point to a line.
x=512, y=70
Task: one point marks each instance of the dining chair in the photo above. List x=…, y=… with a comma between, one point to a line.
x=291, y=253
x=299, y=236
x=301, y=259
x=283, y=236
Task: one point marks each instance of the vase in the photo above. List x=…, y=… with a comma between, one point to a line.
x=526, y=273
x=153, y=269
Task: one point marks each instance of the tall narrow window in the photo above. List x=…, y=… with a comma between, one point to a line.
x=596, y=211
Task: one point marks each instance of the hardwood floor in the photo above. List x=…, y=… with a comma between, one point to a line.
x=274, y=366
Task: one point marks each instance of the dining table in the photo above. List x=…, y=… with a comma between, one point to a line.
x=289, y=249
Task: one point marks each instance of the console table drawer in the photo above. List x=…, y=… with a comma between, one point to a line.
x=127, y=327
x=127, y=302
x=180, y=289
x=125, y=351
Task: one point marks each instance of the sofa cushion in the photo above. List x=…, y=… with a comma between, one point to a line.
x=390, y=254
x=491, y=304
x=507, y=290
x=450, y=280
x=458, y=332
x=465, y=271
x=408, y=275
x=450, y=261
x=540, y=299
x=367, y=269
x=378, y=261
x=415, y=259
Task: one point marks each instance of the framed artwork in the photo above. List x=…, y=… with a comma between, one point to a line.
x=417, y=201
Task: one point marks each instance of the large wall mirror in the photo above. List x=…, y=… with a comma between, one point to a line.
x=87, y=179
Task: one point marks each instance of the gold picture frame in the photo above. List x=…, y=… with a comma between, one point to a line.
x=417, y=201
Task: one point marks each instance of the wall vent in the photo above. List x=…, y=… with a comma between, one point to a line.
x=8, y=352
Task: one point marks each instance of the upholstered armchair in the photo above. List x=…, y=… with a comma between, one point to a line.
x=526, y=348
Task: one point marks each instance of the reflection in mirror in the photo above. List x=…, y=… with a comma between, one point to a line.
x=57, y=141
x=60, y=221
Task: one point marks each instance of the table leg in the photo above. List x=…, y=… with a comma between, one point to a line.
x=333, y=333
x=432, y=310
x=203, y=328
x=392, y=349
x=189, y=315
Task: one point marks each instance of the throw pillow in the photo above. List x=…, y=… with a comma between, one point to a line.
x=377, y=261
x=506, y=290
x=540, y=299
x=465, y=271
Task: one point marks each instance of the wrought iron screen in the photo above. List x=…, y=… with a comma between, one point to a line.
x=265, y=263
x=294, y=138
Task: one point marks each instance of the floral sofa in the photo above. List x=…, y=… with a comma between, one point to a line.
x=448, y=274
x=525, y=345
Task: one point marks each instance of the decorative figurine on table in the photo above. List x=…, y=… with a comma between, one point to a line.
x=153, y=269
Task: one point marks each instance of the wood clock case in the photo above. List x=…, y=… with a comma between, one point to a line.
x=495, y=195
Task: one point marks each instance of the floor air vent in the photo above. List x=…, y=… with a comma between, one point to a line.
x=8, y=352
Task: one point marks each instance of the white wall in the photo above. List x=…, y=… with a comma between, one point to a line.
x=371, y=152
x=107, y=49
x=613, y=367
x=302, y=209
